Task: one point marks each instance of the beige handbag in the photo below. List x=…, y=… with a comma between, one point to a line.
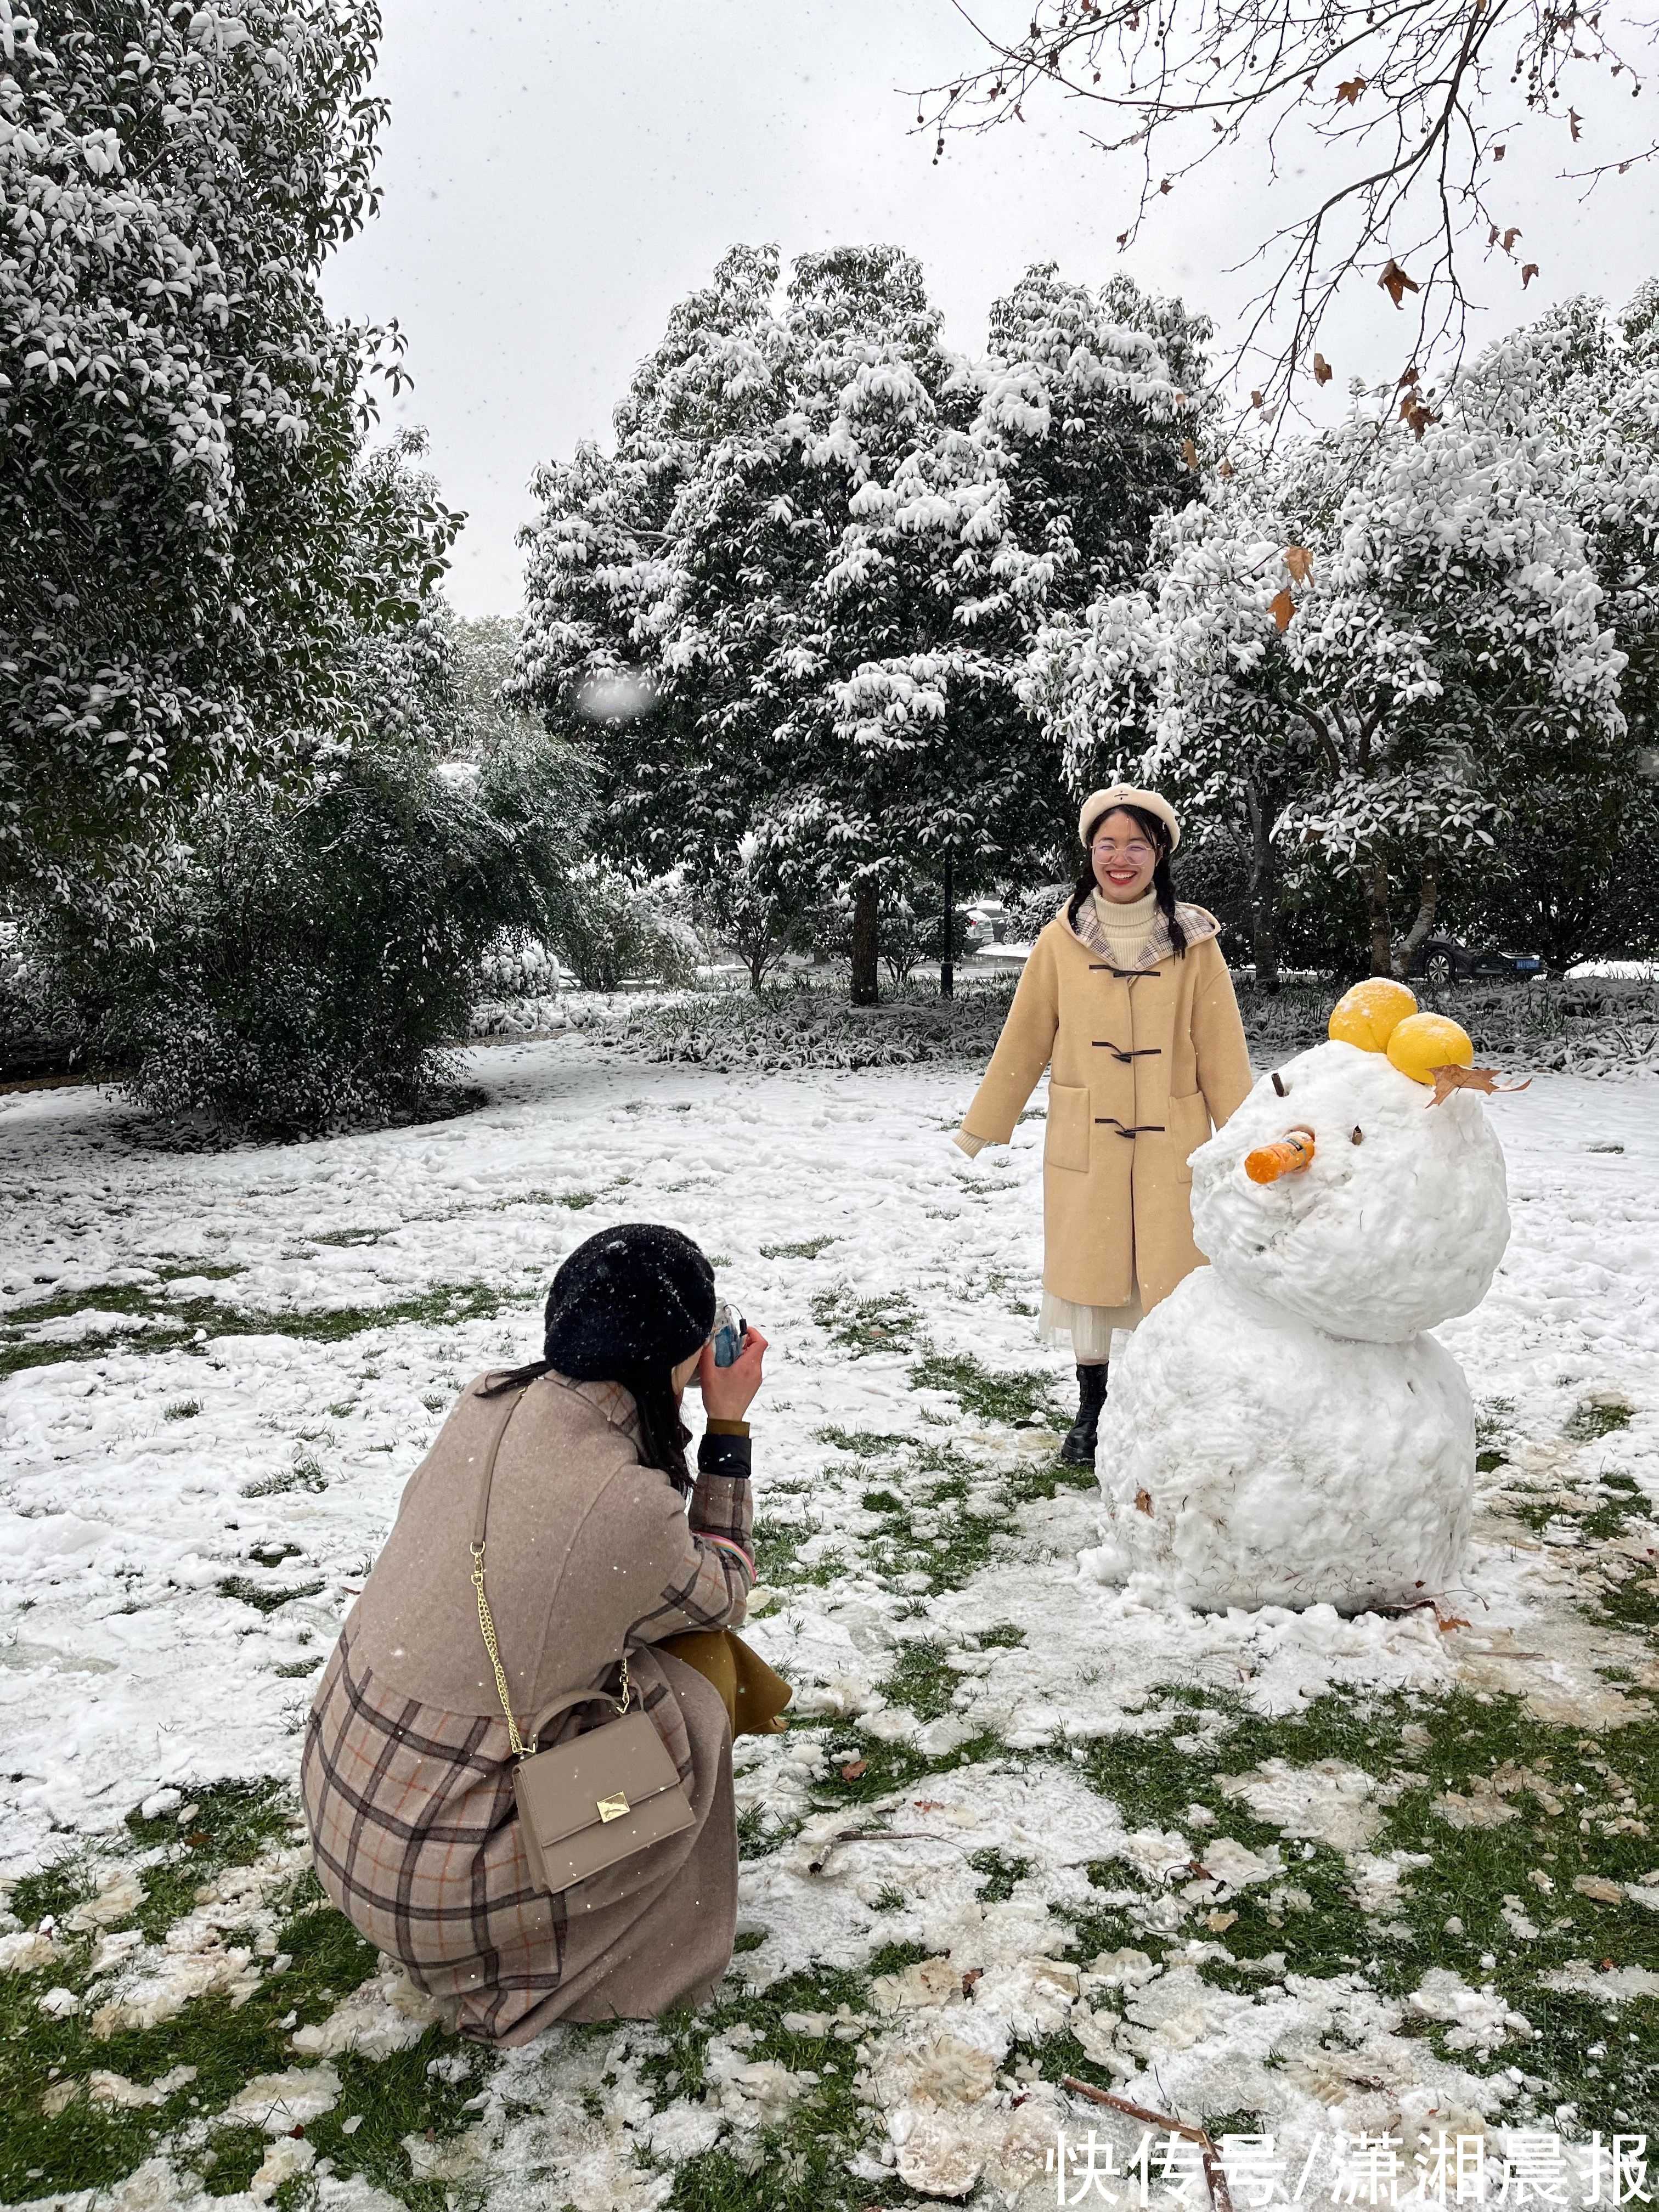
x=586, y=1805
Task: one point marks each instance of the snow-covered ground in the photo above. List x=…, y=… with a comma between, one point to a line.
x=249, y=1352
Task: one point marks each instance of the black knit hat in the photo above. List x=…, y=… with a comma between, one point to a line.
x=632, y=1297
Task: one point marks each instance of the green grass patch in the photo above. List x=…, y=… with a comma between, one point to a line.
x=921, y=1680
x=1595, y=1419
x=1580, y=1809
x=777, y=1555
x=809, y=1250
x=90, y=2146
x=1020, y=1399
x=862, y=1443
x=1000, y=1874
x=175, y=1321
x=265, y=1597
x=306, y=1474
x=861, y=1326
x=233, y=1822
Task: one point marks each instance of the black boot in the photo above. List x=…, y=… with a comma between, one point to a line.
x=1078, y=1449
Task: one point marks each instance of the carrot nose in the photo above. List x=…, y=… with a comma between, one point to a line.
x=1289, y=1156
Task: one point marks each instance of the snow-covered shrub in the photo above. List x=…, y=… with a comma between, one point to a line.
x=523, y=968
x=754, y=904
x=615, y=929
x=305, y=963
x=1030, y=912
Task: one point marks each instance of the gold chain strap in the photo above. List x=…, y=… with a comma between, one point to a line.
x=520, y=1749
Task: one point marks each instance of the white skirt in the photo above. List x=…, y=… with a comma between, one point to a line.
x=1087, y=1328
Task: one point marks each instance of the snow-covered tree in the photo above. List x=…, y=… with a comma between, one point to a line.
x=1386, y=636
x=820, y=552
x=192, y=551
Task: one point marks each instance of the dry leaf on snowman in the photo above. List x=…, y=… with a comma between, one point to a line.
x=1448, y=1079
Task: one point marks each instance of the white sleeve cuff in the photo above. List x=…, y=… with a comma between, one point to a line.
x=965, y=1143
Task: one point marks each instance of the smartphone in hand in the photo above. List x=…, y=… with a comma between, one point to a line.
x=729, y=1331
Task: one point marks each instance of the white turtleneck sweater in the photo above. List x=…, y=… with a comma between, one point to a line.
x=1128, y=924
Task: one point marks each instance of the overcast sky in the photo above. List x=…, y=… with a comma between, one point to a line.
x=558, y=175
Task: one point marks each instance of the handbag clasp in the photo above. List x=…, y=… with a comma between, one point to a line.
x=612, y=1809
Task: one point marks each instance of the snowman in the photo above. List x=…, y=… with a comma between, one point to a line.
x=1280, y=1430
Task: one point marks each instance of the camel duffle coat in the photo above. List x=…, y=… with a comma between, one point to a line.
x=407, y=1774
x=1144, y=1062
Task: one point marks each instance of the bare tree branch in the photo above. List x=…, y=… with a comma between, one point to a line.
x=1419, y=102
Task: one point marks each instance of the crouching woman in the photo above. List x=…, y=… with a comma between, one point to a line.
x=593, y=1567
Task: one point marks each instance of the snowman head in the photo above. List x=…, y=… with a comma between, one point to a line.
x=1397, y=1222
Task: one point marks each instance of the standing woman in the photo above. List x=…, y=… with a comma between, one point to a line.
x=1127, y=999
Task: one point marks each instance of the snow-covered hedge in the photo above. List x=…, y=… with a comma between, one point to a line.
x=1515, y=1027
x=770, y=1029
x=1572, y=1026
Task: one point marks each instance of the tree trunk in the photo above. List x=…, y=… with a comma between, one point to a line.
x=866, y=989
x=1428, y=898
x=1264, y=895
x=947, y=973
x=1376, y=906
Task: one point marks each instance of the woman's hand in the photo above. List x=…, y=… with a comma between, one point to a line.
x=728, y=1392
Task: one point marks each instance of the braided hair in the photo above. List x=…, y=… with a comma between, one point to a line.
x=1163, y=882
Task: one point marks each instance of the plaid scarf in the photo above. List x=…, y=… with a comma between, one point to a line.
x=1196, y=921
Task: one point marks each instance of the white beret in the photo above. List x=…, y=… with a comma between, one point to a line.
x=1125, y=794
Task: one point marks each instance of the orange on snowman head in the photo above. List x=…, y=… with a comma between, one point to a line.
x=1368, y=1015
x=1423, y=1042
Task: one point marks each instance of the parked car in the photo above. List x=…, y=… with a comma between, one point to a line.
x=983, y=923
x=1443, y=960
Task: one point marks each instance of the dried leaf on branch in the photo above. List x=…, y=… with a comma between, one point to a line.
x=1299, y=561
x=1281, y=607
x=1321, y=370
x=1396, y=283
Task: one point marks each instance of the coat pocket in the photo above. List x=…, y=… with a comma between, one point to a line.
x=1068, y=1141
x=1189, y=1128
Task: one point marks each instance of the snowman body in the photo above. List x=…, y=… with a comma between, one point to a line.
x=1280, y=1430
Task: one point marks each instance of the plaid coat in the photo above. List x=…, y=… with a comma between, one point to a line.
x=407, y=1775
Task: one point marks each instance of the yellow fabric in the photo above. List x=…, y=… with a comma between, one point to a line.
x=754, y=1695
x=1117, y=1213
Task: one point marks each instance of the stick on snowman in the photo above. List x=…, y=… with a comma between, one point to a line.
x=1280, y=1430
